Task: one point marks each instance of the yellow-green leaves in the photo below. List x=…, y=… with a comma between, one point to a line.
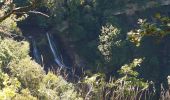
x=158, y=30
x=129, y=76
x=12, y=50
x=128, y=69
x=108, y=38
x=54, y=87
x=9, y=86
x=29, y=73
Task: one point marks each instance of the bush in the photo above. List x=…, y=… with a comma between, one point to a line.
x=25, y=95
x=23, y=79
x=55, y=87
x=12, y=50
x=29, y=73
x=9, y=86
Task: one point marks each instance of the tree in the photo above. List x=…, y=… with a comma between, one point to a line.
x=152, y=41
x=8, y=7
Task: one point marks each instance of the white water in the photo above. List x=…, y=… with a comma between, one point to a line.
x=52, y=47
x=35, y=52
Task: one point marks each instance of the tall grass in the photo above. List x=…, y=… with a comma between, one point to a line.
x=99, y=89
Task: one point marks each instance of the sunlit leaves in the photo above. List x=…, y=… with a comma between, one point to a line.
x=54, y=87
x=128, y=69
x=12, y=50
x=108, y=38
x=9, y=86
x=158, y=30
x=129, y=76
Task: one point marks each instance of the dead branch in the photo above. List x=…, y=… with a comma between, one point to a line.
x=25, y=9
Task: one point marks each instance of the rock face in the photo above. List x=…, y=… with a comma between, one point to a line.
x=131, y=8
x=164, y=2
x=69, y=49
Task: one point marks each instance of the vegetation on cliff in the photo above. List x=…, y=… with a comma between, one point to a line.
x=125, y=64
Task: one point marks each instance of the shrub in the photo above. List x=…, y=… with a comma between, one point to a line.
x=9, y=86
x=12, y=50
x=55, y=87
x=29, y=73
x=24, y=95
x=126, y=87
x=108, y=38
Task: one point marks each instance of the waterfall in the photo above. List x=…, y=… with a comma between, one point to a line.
x=36, y=53
x=53, y=49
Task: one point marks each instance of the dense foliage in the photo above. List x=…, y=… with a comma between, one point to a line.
x=124, y=64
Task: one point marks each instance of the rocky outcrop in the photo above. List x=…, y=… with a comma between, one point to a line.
x=76, y=60
x=131, y=8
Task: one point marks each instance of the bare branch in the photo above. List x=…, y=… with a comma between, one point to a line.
x=90, y=90
x=25, y=9
x=37, y=12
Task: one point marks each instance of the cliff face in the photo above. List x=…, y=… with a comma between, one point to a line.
x=70, y=17
x=164, y=2
x=68, y=48
x=131, y=8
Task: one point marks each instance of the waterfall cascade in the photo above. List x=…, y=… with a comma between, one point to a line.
x=36, y=53
x=57, y=58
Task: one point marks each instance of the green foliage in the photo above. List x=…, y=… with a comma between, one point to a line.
x=55, y=87
x=151, y=40
x=28, y=72
x=9, y=26
x=108, y=38
x=9, y=86
x=53, y=4
x=10, y=89
x=24, y=95
x=97, y=80
x=130, y=76
x=12, y=50
x=126, y=87
x=80, y=21
x=22, y=78
x=150, y=29
x=26, y=80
